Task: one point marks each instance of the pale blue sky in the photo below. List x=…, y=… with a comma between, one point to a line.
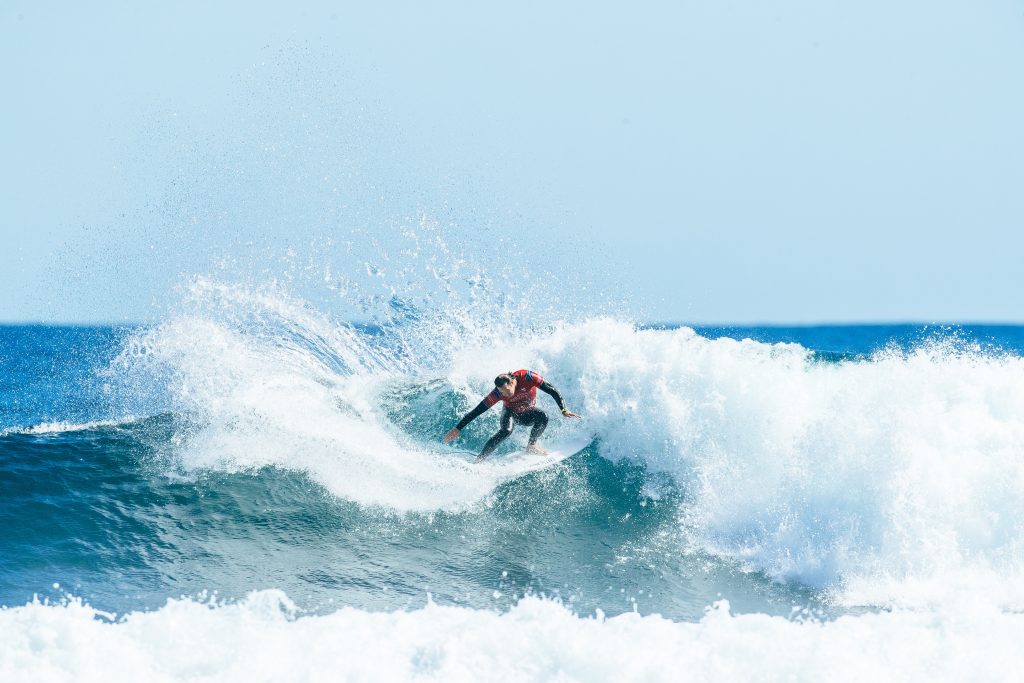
x=749, y=161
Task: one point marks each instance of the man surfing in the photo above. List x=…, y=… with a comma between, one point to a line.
x=518, y=391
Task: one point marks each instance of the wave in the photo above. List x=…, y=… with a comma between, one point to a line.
x=59, y=427
x=262, y=638
x=878, y=480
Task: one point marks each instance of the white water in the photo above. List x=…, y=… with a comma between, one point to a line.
x=260, y=639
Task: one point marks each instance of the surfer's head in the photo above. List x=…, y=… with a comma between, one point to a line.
x=506, y=384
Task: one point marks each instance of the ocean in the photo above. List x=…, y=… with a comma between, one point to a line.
x=251, y=489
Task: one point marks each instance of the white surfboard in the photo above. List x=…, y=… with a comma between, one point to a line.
x=519, y=463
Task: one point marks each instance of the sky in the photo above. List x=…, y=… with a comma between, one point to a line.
x=704, y=162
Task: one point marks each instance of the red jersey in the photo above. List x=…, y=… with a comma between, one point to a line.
x=524, y=396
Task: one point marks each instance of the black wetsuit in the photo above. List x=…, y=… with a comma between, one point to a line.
x=509, y=419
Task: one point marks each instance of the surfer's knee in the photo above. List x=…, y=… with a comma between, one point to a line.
x=504, y=432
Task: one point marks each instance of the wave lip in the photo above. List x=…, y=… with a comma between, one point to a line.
x=262, y=639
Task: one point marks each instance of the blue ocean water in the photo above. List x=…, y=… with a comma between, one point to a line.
x=249, y=484
x=102, y=500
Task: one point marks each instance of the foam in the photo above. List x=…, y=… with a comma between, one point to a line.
x=66, y=427
x=262, y=639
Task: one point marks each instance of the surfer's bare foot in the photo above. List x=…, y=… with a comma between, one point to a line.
x=534, y=448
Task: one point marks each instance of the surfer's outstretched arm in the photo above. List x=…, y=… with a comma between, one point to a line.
x=480, y=409
x=551, y=391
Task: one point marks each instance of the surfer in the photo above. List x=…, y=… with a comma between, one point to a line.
x=518, y=391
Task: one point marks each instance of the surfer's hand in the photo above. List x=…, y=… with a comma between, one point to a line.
x=568, y=413
x=452, y=434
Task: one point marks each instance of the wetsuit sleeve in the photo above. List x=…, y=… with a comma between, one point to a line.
x=551, y=391
x=481, y=408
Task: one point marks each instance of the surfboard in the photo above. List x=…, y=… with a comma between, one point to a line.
x=521, y=462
